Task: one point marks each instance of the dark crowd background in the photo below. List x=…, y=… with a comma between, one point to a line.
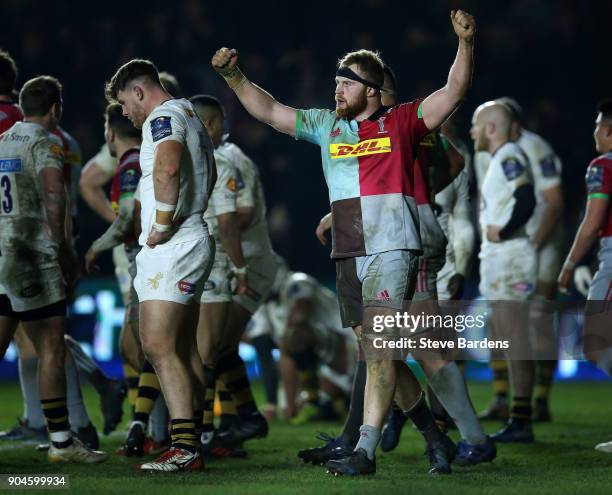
x=551, y=55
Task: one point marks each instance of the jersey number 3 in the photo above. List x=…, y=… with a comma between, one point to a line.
x=7, y=195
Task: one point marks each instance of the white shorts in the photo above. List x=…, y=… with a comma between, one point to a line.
x=507, y=270
x=30, y=287
x=218, y=288
x=549, y=261
x=122, y=265
x=261, y=273
x=173, y=272
x=601, y=286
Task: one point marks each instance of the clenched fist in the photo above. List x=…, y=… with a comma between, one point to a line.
x=225, y=60
x=463, y=24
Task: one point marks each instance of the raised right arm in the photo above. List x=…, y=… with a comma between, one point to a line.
x=259, y=103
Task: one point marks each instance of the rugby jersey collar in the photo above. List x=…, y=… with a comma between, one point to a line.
x=377, y=114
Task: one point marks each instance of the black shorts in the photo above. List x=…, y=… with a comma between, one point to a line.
x=56, y=309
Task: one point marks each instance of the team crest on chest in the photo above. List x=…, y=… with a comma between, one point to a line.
x=381, y=125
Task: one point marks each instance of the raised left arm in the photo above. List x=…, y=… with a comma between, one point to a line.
x=440, y=105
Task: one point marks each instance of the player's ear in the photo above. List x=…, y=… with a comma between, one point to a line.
x=138, y=92
x=608, y=130
x=371, y=92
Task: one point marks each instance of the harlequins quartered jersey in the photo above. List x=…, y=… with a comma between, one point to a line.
x=369, y=167
x=125, y=181
x=599, y=185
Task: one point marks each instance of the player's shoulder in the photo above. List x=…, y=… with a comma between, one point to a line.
x=508, y=151
x=511, y=159
x=604, y=161
x=223, y=160
x=321, y=117
x=530, y=138
x=131, y=158
x=178, y=109
x=72, y=144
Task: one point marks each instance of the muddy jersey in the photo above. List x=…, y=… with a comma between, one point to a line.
x=250, y=194
x=176, y=120
x=9, y=114
x=507, y=171
x=369, y=167
x=545, y=170
x=223, y=197
x=296, y=286
x=453, y=199
x=25, y=150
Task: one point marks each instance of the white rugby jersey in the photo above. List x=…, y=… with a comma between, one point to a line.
x=273, y=315
x=546, y=172
x=25, y=150
x=223, y=197
x=507, y=171
x=454, y=201
x=250, y=194
x=176, y=120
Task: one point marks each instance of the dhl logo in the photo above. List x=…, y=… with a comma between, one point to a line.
x=367, y=147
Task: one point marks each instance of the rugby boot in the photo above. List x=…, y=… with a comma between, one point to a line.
x=357, y=463
x=334, y=449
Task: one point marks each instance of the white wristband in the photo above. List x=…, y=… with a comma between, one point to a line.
x=160, y=206
x=569, y=265
x=240, y=271
x=160, y=227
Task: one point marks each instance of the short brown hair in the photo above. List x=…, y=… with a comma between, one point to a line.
x=368, y=62
x=38, y=95
x=127, y=73
x=8, y=73
x=119, y=123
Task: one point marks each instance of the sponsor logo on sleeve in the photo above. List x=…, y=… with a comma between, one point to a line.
x=231, y=184
x=56, y=149
x=594, y=179
x=363, y=148
x=161, y=127
x=547, y=166
x=512, y=168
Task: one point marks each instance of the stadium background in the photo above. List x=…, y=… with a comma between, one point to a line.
x=551, y=55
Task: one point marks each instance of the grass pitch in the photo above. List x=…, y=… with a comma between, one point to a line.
x=562, y=459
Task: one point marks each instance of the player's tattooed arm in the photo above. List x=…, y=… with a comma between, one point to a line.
x=121, y=228
x=594, y=218
x=438, y=106
x=259, y=103
x=166, y=184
